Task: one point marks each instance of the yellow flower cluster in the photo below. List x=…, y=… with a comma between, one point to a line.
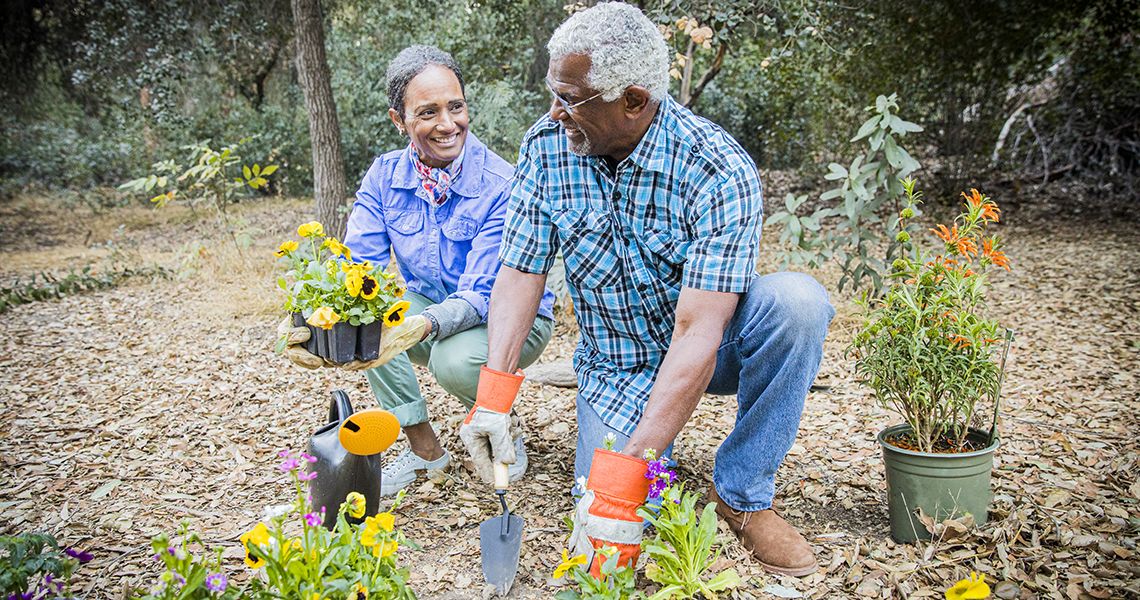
x=374, y=535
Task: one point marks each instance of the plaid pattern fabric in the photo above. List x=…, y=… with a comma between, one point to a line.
x=683, y=210
x=436, y=182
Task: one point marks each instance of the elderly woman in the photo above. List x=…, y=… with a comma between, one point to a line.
x=437, y=206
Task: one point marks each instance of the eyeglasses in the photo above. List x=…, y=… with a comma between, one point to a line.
x=567, y=105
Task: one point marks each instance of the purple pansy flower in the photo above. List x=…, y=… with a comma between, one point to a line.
x=81, y=556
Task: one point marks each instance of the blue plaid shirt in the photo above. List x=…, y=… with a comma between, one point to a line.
x=683, y=210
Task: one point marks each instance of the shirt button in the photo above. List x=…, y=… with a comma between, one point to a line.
x=617, y=195
x=641, y=287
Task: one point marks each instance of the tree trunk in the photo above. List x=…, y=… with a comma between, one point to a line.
x=329, y=185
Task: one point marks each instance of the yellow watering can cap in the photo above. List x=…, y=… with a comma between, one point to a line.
x=369, y=431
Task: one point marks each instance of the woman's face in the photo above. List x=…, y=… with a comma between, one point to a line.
x=435, y=115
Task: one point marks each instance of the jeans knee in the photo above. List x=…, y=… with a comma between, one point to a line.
x=798, y=302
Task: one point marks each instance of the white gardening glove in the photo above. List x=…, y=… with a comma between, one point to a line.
x=487, y=430
x=396, y=340
x=294, y=350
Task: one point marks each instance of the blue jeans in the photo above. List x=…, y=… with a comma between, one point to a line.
x=768, y=357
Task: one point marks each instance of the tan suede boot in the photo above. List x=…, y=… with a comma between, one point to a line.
x=776, y=545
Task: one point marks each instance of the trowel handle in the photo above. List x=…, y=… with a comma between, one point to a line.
x=502, y=476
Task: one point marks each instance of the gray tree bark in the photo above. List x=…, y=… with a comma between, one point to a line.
x=330, y=189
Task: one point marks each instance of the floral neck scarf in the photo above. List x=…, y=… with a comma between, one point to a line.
x=436, y=182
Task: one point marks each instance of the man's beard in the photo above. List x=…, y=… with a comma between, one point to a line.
x=582, y=148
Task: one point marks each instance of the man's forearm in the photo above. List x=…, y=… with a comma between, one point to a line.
x=688, y=367
x=514, y=306
x=682, y=380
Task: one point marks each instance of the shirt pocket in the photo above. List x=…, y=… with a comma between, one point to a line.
x=664, y=257
x=405, y=222
x=589, y=248
x=460, y=229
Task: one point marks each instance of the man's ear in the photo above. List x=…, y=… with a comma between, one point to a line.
x=637, y=100
x=397, y=120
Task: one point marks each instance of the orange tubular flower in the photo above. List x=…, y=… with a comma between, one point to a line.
x=975, y=198
x=945, y=234
x=999, y=258
x=966, y=246
x=958, y=341
x=991, y=212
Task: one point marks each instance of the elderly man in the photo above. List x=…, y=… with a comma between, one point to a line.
x=657, y=213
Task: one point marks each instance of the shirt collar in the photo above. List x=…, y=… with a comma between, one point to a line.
x=651, y=150
x=472, y=157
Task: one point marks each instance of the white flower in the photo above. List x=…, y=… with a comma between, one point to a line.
x=581, y=485
x=609, y=440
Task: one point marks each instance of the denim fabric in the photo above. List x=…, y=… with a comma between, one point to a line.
x=769, y=357
x=455, y=363
x=446, y=251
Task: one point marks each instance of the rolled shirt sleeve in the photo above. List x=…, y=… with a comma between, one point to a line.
x=726, y=220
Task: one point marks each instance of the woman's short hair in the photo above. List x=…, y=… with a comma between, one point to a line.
x=624, y=46
x=411, y=61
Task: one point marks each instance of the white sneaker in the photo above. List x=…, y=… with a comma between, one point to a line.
x=401, y=471
x=518, y=469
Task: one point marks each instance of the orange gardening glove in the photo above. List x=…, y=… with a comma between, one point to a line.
x=487, y=430
x=606, y=514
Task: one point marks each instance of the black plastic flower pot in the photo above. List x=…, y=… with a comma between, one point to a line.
x=314, y=332
x=368, y=341
x=322, y=337
x=342, y=343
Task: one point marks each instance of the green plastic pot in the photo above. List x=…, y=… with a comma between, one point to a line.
x=944, y=486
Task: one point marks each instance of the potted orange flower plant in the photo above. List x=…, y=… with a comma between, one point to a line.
x=344, y=304
x=930, y=353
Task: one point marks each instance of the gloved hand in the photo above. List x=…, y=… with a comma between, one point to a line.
x=487, y=430
x=394, y=341
x=606, y=515
x=294, y=350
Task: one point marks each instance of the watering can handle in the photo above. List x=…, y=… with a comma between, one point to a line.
x=340, y=408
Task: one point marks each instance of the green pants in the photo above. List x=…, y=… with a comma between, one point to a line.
x=455, y=363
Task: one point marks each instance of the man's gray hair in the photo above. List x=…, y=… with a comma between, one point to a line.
x=624, y=46
x=411, y=61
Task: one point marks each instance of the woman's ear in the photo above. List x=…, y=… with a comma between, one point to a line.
x=397, y=120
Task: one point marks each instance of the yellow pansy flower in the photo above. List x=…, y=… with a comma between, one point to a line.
x=368, y=287
x=358, y=592
x=568, y=563
x=311, y=229
x=324, y=317
x=353, y=281
x=258, y=536
x=356, y=503
x=286, y=248
x=388, y=549
x=337, y=248
x=395, y=315
x=972, y=588
x=398, y=291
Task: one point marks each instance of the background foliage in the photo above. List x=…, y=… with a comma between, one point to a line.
x=96, y=91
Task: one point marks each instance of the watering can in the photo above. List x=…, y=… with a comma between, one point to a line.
x=348, y=450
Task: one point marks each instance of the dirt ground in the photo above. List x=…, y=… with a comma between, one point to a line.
x=127, y=410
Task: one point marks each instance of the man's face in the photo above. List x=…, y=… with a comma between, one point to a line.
x=593, y=126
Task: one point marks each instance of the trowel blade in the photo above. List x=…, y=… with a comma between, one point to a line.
x=500, y=552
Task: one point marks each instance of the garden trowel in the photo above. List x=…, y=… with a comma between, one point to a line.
x=500, y=539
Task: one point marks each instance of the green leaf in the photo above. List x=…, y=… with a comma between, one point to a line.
x=866, y=128
x=268, y=170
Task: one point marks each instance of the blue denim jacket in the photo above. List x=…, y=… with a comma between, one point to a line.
x=450, y=251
